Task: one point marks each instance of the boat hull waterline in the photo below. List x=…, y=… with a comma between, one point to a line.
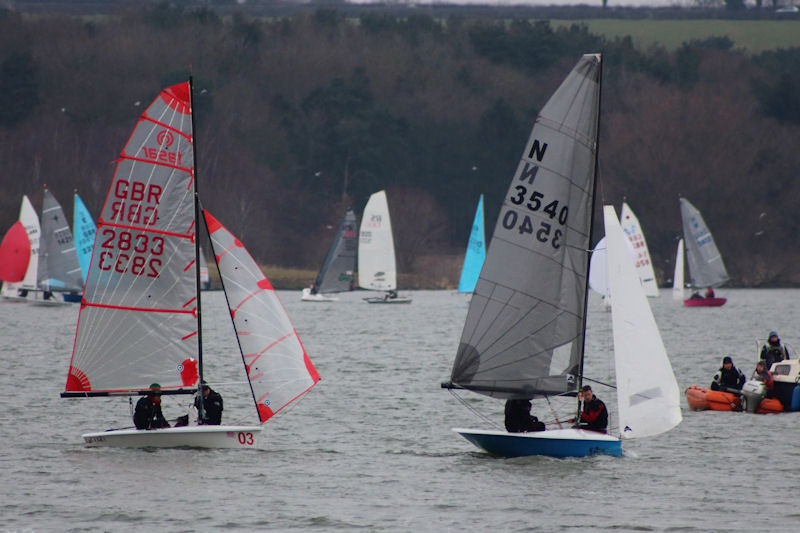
x=704, y=302
x=560, y=443
x=382, y=300
x=308, y=297
x=176, y=437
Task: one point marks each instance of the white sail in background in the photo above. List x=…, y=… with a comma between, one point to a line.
x=29, y=219
x=277, y=365
x=677, y=278
x=138, y=323
x=598, y=269
x=644, y=267
x=647, y=392
x=377, y=270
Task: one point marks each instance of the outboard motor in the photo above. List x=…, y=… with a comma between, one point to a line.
x=752, y=394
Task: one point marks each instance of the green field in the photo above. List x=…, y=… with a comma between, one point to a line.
x=754, y=36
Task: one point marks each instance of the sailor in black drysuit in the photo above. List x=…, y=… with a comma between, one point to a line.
x=148, y=413
x=519, y=418
x=212, y=405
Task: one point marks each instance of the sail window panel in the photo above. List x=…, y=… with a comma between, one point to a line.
x=128, y=350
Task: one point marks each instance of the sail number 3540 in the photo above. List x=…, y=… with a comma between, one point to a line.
x=536, y=202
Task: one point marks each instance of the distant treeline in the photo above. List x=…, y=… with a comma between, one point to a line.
x=303, y=115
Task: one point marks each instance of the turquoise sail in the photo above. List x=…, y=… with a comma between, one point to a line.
x=83, y=228
x=476, y=253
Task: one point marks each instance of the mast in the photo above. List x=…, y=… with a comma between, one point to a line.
x=591, y=225
x=197, y=246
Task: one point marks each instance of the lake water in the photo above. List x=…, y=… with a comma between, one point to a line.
x=370, y=447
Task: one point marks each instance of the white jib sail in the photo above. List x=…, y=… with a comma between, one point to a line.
x=677, y=278
x=647, y=392
x=598, y=269
x=644, y=267
x=276, y=363
x=29, y=219
x=376, y=262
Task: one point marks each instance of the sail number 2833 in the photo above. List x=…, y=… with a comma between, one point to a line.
x=130, y=252
x=535, y=201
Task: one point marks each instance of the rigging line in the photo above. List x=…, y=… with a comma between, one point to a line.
x=555, y=415
x=475, y=411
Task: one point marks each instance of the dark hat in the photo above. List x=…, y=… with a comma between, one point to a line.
x=155, y=386
x=762, y=363
x=727, y=359
x=204, y=385
x=773, y=334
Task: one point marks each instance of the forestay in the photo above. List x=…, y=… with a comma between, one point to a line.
x=476, y=253
x=59, y=268
x=524, y=331
x=277, y=365
x=644, y=267
x=706, y=268
x=138, y=321
x=647, y=392
x=84, y=231
x=377, y=270
x=337, y=272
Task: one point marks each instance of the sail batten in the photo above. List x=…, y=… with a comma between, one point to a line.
x=529, y=300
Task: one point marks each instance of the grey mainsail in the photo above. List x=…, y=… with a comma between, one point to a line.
x=524, y=330
x=59, y=269
x=337, y=272
x=706, y=268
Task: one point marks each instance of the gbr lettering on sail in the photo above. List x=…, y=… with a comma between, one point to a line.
x=535, y=210
x=125, y=250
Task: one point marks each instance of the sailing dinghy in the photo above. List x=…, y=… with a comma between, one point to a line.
x=15, y=252
x=524, y=333
x=377, y=270
x=677, y=277
x=644, y=267
x=27, y=289
x=706, y=268
x=476, y=253
x=84, y=230
x=140, y=317
x=338, y=271
x=59, y=276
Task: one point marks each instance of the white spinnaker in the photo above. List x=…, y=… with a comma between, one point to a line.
x=647, y=392
x=138, y=320
x=276, y=363
x=377, y=270
x=29, y=219
x=677, y=278
x=644, y=267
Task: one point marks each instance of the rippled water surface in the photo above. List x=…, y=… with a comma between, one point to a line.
x=370, y=446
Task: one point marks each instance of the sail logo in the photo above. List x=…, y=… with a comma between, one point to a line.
x=162, y=154
x=165, y=138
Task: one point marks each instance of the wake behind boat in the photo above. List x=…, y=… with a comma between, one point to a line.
x=140, y=318
x=524, y=333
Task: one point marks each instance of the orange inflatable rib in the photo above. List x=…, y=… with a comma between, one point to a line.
x=701, y=399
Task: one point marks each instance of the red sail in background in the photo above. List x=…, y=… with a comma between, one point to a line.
x=15, y=252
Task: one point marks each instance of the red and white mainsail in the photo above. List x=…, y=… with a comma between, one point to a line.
x=15, y=252
x=138, y=320
x=277, y=365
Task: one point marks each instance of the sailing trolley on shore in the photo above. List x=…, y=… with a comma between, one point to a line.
x=140, y=315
